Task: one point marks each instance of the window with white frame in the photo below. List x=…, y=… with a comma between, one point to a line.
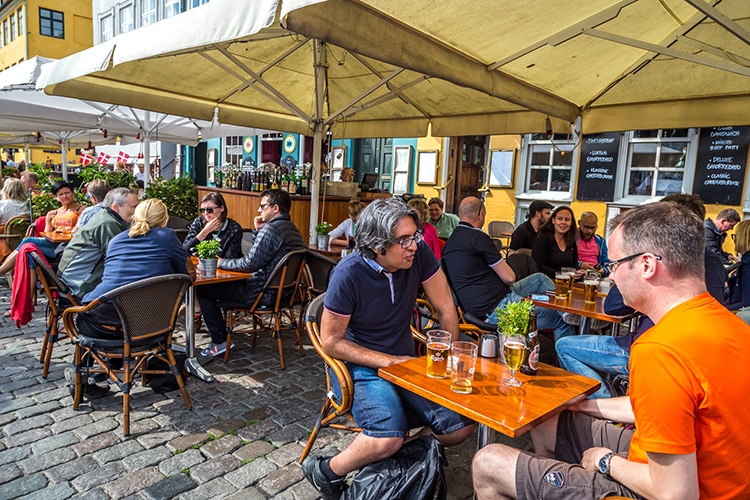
x=656, y=161
x=171, y=8
x=127, y=23
x=148, y=12
x=550, y=164
x=197, y=3
x=233, y=150
x=107, y=27
x=5, y=32
x=51, y=23
x=12, y=27
x=19, y=15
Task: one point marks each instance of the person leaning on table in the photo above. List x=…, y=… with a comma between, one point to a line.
x=214, y=222
x=687, y=386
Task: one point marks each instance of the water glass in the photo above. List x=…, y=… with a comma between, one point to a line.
x=463, y=362
x=438, y=351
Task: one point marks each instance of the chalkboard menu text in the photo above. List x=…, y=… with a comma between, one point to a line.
x=598, y=168
x=721, y=163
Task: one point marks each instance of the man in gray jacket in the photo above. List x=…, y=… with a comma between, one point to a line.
x=275, y=235
x=82, y=263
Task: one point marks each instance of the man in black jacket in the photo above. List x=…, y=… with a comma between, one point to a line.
x=275, y=235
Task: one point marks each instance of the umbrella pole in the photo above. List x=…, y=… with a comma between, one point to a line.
x=64, y=151
x=315, y=180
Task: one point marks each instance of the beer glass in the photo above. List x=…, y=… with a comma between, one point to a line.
x=463, y=364
x=514, y=349
x=562, y=285
x=590, y=286
x=438, y=350
x=571, y=272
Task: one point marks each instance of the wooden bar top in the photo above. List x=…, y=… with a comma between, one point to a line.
x=510, y=410
x=574, y=304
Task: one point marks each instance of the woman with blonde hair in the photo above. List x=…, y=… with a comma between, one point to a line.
x=341, y=234
x=13, y=202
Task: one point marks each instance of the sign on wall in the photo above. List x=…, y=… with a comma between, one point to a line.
x=598, y=168
x=721, y=164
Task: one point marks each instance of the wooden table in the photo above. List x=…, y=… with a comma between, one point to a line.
x=57, y=237
x=574, y=304
x=495, y=406
x=191, y=363
x=332, y=252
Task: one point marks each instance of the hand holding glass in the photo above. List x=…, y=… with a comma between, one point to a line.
x=514, y=349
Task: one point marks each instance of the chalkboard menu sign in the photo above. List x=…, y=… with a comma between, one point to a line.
x=598, y=168
x=720, y=167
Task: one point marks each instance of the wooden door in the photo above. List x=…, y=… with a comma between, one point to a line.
x=374, y=156
x=467, y=161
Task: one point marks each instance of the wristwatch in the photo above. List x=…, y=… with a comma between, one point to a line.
x=604, y=463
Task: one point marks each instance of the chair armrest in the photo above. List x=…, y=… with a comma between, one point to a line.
x=69, y=315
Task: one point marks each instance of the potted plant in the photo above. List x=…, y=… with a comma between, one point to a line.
x=322, y=231
x=513, y=322
x=207, y=250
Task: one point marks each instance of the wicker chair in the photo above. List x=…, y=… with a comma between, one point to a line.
x=496, y=228
x=318, y=269
x=147, y=333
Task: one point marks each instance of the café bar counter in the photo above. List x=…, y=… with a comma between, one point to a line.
x=242, y=206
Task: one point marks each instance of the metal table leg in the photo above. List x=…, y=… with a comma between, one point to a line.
x=485, y=436
x=583, y=327
x=191, y=363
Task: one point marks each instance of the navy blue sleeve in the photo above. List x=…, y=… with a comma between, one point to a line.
x=614, y=303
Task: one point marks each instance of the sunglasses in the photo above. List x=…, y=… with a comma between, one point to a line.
x=208, y=210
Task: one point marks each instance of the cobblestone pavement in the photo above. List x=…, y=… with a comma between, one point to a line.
x=241, y=440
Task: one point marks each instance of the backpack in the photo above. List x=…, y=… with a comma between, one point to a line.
x=167, y=382
x=412, y=473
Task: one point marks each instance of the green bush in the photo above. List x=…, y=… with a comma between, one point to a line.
x=179, y=194
x=115, y=179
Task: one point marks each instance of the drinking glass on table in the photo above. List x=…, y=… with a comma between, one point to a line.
x=562, y=285
x=463, y=364
x=514, y=349
x=438, y=351
x=571, y=272
x=590, y=286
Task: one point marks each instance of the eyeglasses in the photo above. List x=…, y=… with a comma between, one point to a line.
x=614, y=264
x=208, y=210
x=406, y=242
x=590, y=228
x=263, y=206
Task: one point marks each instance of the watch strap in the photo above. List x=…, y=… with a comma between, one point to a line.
x=606, y=460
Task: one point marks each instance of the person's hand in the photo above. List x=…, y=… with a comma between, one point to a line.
x=591, y=457
x=585, y=266
x=258, y=221
x=211, y=226
x=733, y=259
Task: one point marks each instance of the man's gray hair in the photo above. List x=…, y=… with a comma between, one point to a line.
x=668, y=229
x=377, y=223
x=117, y=196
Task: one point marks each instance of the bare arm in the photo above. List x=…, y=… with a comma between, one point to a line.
x=615, y=409
x=332, y=333
x=504, y=271
x=440, y=297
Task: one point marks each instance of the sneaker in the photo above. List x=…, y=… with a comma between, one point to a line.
x=215, y=349
x=96, y=378
x=329, y=490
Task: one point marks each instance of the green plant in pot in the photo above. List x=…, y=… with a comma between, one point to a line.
x=322, y=231
x=208, y=251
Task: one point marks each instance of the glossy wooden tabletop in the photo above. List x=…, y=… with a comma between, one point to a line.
x=512, y=411
x=57, y=237
x=221, y=276
x=574, y=304
x=332, y=251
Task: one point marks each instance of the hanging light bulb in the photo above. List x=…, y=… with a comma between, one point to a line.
x=38, y=137
x=138, y=136
x=547, y=127
x=89, y=145
x=105, y=133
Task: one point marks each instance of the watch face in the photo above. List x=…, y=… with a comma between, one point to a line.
x=604, y=463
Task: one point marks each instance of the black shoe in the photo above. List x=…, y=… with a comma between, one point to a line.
x=96, y=378
x=329, y=490
x=90, y=391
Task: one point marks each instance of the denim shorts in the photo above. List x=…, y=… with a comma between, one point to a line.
x=385, y=410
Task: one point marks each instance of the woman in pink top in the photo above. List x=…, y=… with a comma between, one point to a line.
x=430, y=233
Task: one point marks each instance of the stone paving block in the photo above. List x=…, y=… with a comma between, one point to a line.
x=71, y=423
x=23, y=486
x=247, y=494
x=254, y=450
x=302, y=491
x=221, y=446
x=185, y=442
x=46, y=461
x=118, y=451
x=145, y=458
x=20, y=384
x=14, y=455
x=157, y=438
x=68, y=412
x=257, y=414
x=143, y=426
x=288, y=434
x=290, y=416
x=54, y=442
x=221, y=428
x=38, y=409
x=93, y=444
x=52, y=492
x=281, y=479
x=7, y=418
x=27, y=424
x=213, y=489
x=169, y=487
x=95, y=494
x=98, y=427
x=286, y=454
x=251, y=473
x=133, y=482
x=52, y=395
x=99, y=476
x=100, y=413
x=69, y=470
x=27, y=437
x=9, y=472
x=216, y=467
x=182, y=461
x=257, y=431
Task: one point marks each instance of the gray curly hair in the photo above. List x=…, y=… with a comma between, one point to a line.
x=377, y=222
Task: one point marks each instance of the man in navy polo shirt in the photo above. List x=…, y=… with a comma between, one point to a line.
x=365, y=322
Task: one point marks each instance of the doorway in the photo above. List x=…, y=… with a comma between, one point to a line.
x=467, y=161
x=374, y=156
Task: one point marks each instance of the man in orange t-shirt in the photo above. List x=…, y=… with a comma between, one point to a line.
x=688, y=389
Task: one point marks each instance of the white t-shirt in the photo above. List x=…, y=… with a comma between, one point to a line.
x=12, y=208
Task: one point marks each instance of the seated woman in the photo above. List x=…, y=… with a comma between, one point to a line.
x=430, y=233
x=344, y=232
x=347, y=175
x=213, y=223
x=555, y=246
x=739, y=290
x=12, y=204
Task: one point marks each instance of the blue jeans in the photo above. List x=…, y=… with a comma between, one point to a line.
x=45, y=246
x=546, y=319
x=592, y=355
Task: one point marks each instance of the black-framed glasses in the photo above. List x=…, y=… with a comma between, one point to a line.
x=208, y=210
x=263, y=206
x=406, y=242
x=590, y=228
x=614, y=264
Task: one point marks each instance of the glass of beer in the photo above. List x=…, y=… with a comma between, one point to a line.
x=571, y=272
x=438, y=351
x=514, y=349
x=590, y=286
x=562, y=285
x=463, y=364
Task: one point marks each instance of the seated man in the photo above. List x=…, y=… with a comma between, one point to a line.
x=525, y=234
x=82, y=263
x=96, y=190
x=716, y=233
x=482, y=280
x=275, y=235
x=686, y=388
x=592, y=248
x=444, y=222
x=365, y=322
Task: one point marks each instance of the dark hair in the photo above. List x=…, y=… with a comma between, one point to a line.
x=218, y=200
x=729, y=214
x=549, y=226
x=279, y=198
x=376, y=223
x=57, y=186
x=436, y=200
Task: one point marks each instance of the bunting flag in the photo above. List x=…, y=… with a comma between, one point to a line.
x=123, y=156
x=85, y=158
x=102, y=159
